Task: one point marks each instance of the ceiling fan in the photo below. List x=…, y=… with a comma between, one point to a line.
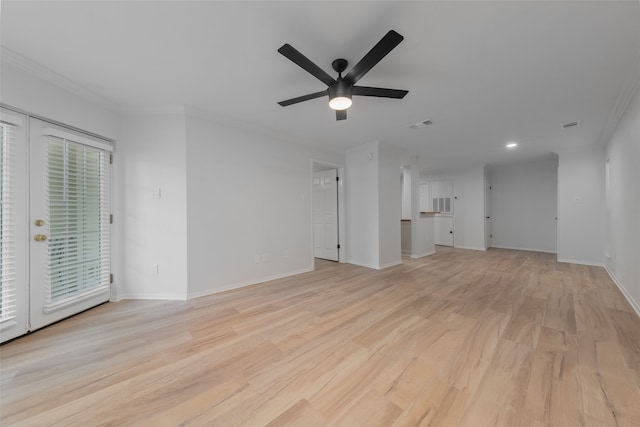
x=341, y=89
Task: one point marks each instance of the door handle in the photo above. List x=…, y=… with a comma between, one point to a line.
x=40, y=238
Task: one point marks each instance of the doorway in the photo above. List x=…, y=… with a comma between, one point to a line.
x=56, y=227
x=327, y=208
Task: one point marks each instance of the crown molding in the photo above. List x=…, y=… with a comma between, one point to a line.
x=154, y=110
x=25, y=64
x=629, y=89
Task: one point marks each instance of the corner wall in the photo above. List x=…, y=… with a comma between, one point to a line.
x=622, y=222
x=581, y=204
x=249, y=216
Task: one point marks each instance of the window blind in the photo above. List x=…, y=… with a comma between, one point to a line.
x=7, y=225
x=78, y=210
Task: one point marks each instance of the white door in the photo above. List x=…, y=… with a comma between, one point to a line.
x=325, y=214
x=488, y=233
x=13, y=225
x=69, y=223
x=443, y=225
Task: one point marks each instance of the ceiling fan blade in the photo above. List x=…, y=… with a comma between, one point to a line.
x=379, y=92
x=341, y=114
x=306, y=64
x=379, y=51
x=303, y=98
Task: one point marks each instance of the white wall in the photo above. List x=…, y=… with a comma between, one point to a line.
x=468, y=186
x=422, y=226
x=248, y=195
x=24, y=90
x=406, y=192
x=361, y=183
x=390, y=207
x=623, y=222
x=581, y=204
x=523, y=205
x=154, y=230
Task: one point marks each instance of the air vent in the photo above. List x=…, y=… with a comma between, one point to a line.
x=421, y=124
x=570, y=125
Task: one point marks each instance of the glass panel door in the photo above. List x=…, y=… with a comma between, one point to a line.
x=70, y=230
x=13, y=225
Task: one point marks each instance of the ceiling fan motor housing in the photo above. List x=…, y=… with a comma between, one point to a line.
x=340, y=88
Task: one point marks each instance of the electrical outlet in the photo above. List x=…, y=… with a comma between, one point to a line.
x=285, y=254
x=156, y=193
x=154, y=269
x=265, y=257
x=256, y=259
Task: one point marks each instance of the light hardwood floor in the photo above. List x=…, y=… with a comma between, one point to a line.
x=502, y=338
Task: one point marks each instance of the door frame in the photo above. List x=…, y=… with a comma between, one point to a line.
x=342, y=241
x=28, y=117
x=488, y=213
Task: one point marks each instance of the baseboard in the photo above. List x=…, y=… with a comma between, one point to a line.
x=376, y=267
x=574, y=261
x=523, y=249
x=391, y=264
x=627, y=295
x=138, y=295
x=238, y=285
x=423, y=255
x=472, y=248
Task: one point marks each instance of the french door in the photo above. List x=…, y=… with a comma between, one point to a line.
x=69, y=222
x=13, y=225
x=65, y=227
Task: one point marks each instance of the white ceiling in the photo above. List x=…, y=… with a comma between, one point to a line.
x=485, y=73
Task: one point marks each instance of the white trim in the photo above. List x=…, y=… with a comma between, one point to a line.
x=627, y=295
x=157, y=110
x=473, y=248
x=11, y=119
x=76, y=138
x=13, y=58
x=373, y=267
x=579, y=262
x=138, y=295
x=239, y=285
x=389, y=265
x=424, y=254
x=522, y=249
x=630, y=87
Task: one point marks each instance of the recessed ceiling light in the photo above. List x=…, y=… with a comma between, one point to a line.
x=512, y=145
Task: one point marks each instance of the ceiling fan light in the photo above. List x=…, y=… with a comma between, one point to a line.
x=340, y=103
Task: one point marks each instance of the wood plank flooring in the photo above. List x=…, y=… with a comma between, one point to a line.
x=459, y=338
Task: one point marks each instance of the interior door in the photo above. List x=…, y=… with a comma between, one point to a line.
x=13, y=225
x=488, y=233
x=325, y=214
x=69, y=223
